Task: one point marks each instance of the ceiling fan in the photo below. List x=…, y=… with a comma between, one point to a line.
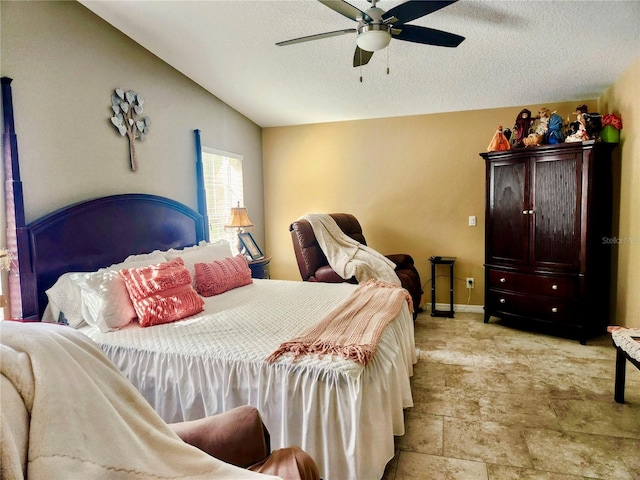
x=376, y=27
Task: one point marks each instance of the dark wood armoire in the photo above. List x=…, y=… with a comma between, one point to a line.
x=547, y=236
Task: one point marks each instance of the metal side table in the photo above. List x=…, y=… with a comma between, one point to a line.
x=441, y=261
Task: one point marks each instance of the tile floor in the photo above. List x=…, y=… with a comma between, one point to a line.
x=494, y=401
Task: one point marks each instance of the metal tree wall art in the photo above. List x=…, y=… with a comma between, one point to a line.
x=127, y=107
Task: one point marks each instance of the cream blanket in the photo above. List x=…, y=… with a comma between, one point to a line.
x=67, y=412
x=352, y=329
x=348, y=257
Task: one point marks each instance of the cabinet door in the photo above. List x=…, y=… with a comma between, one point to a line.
x=507, y=225
x=555, y=196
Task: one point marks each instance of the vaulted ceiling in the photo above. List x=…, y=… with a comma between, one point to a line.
x=514, y=53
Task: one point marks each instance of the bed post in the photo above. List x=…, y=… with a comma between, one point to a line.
x=200, y=190
x=20, y=279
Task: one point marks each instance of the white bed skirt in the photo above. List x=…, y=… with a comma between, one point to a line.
x=344, y=415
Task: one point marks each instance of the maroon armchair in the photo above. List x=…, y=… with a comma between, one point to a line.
x=239, y=437
x=314, y=267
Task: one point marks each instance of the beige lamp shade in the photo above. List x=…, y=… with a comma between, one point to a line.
x=239, y=219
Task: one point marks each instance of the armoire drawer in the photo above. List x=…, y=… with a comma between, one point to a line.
x=561, y=287
x=532, y=306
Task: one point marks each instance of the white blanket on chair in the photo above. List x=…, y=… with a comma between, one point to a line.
x=68, y=412
x=348, y=257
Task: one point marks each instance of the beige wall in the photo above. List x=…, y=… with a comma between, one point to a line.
x=623, y=97
x=411, y=181
x=65, y=63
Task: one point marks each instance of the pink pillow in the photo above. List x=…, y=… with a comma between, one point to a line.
x=219, y=276
x=161, y=293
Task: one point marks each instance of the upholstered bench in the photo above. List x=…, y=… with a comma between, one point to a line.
x=627, y=343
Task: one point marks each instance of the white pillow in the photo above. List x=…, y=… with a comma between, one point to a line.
x=221, y=248
x=47, y=315
x=156, y=256
x=105, y=300
x=65, y=298
x=141, y=260
x=202, y=253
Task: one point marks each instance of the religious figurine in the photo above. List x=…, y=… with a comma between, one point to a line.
x=498, y=142
x=521, y=128
x=554, y=131
x=541, y=123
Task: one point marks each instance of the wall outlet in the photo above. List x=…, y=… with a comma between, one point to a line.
x=472, y=220
x=470, y=282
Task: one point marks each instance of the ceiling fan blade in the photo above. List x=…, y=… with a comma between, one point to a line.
x=317, y=37
x=413, y=9
x=361, y=57
x=428, y=36
x=346, y=9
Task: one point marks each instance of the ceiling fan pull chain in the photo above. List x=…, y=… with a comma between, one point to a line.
x=388, y=48
x=360, y=66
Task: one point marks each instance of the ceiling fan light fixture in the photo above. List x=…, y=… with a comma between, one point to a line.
x=372, y=39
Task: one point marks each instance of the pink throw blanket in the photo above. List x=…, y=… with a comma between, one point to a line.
x=352, y=329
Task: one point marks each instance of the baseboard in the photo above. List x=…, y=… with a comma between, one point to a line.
x=456, y=308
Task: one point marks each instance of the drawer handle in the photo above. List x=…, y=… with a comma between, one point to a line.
x=554, y=287
x=554, y=309
x=502, y=300
x=524, y=212
x=503, y=280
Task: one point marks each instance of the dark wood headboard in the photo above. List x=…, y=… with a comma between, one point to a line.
x=85, y=236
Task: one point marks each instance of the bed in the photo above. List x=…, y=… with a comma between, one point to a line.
x=216, y=360
x=344, y=414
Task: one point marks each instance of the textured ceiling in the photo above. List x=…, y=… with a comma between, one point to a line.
x=515, y=53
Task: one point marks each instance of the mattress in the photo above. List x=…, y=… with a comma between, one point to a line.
x=342, y=413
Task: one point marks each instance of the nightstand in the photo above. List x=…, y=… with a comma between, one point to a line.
x=260, y=268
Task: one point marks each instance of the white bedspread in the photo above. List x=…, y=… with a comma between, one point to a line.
x=342, y=413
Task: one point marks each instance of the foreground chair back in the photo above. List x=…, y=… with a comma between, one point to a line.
x=314, y=266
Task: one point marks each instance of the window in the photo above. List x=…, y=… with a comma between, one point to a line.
x=223, y=186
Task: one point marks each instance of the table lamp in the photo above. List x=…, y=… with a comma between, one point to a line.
x=239, y=220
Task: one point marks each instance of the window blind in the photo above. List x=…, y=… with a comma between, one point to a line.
x=223, y=186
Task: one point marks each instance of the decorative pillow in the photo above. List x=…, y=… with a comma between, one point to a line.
x=65, y=301
x=162, y=293
x=105, y=300
x=221, y=275
x=202, y=253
